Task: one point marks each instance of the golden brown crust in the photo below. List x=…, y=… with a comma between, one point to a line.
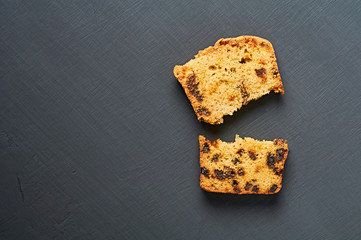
x=246, y=166
x=246, y=77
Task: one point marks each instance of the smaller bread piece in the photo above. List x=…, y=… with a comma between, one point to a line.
x=224, y=77
x=245, y=166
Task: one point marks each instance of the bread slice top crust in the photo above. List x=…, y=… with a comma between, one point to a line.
x=245, y=166
x=224, y=77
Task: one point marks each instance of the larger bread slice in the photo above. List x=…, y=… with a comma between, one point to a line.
x=245, y=166
x=224, y=77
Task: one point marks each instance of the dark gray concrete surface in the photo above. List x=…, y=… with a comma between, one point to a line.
x=98, y=140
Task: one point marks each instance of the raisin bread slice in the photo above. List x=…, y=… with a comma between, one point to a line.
x=224, y=77
x=245, y=166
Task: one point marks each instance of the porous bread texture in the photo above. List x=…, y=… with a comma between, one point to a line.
x=224, y=77
x=245, y=166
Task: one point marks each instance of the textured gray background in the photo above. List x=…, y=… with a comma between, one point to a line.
x=98, y=140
